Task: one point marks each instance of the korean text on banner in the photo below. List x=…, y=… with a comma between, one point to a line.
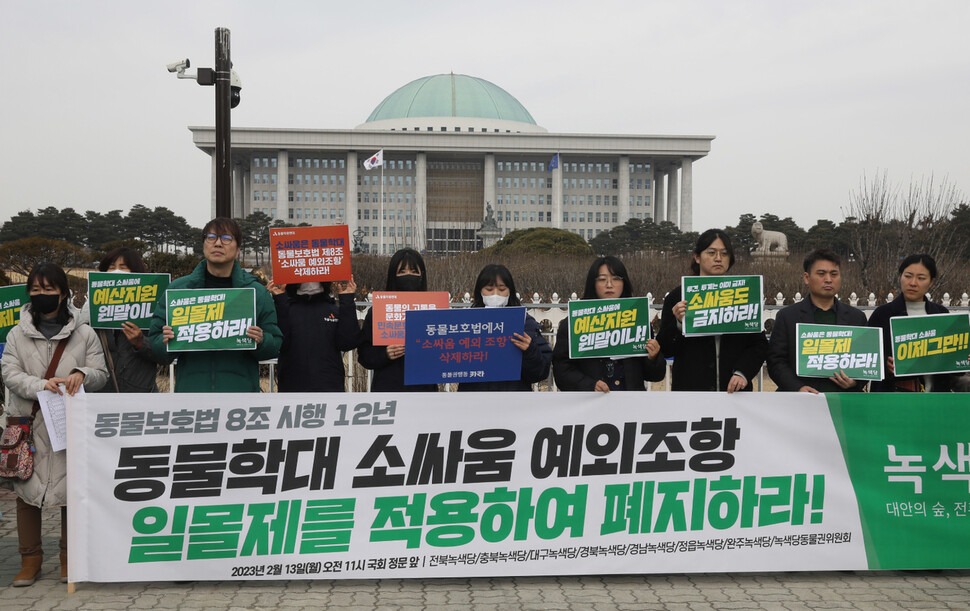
x=210, y=319
x=608, y=327
x=825, y=349
x=117, y=298
x=722, y=304
x=390, y=307
x=310, y=254
x=12, y=298
x=466, y=345
x=935, y=343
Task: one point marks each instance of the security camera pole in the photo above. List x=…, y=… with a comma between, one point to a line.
x=223, y=125
x=227, y=97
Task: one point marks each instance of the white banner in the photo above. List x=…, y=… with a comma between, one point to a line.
x=381, y=485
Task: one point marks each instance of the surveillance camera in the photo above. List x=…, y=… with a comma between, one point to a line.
x=235, y=84
x=178, y=66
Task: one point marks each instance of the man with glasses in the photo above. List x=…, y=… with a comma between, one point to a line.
x=220, y=370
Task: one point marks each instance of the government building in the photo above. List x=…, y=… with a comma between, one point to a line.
x=463, y=161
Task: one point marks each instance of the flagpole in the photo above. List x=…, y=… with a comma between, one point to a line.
x=381, y=251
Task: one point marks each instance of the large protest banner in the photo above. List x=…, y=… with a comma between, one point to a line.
x=12, y=298
x=210, y=319
x=825, y=349
x=310, y=254
x=935, y=343
x=722, y=304
x=385, y=485
x=466, y=345
x=390, y=308
x=117, y=298
x=608, y=327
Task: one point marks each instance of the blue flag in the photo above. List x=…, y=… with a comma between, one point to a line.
x=554, y=163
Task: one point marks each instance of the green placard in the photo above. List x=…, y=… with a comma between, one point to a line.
x=825, y=349
x=116, y=298
x=608, y=327
x=935, y=343
x=210, y=319
x=12, y=298
x=722, y=304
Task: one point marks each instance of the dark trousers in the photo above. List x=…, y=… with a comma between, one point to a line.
x=28, y=529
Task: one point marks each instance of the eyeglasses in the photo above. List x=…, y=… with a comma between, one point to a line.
x=711, y=252
x=603, y=279
x=224, y=238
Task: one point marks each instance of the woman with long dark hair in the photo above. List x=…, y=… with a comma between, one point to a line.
x=405, y=272
x=607, y=278
x=49, y=348
x=494, y=288
x=712, y=362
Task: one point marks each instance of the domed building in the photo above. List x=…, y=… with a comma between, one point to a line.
x=464, y=163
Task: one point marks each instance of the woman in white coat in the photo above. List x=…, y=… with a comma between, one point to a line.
x=48, y=320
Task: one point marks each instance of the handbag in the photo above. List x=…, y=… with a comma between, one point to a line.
x=17, y=442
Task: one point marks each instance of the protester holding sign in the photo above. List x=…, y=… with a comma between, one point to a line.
x=49, y=330
x=823, y=278
x=607, y=278
x=495, y=288
x=917, y=273
x=223, y=370
x=316, y=332
x=727, y=362
x=405, y=272
x=132, y=366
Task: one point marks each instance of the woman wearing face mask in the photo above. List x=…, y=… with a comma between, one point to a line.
x=711, y=362
x=607, y=278
x=405, y=272
x=495, y=288
x=132, y=367
x=316, y=332
x=48, y=329
x=917, y=273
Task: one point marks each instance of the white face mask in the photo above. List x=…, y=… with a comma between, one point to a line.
x=495, y=301
x=310, y=288
x=117, y=271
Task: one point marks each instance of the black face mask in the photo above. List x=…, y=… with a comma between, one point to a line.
x=408, y=283
x=44, y=304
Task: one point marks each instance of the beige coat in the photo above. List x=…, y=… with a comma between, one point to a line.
x=25, y=360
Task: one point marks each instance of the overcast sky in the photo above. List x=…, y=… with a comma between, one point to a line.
x=804, y=98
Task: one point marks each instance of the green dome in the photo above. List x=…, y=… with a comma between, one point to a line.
x=451, y=95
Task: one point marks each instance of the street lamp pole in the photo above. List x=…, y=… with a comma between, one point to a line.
x=223, y=125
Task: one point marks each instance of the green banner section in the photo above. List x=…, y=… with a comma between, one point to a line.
x=824, y=350
x=12, y=298
x=210, y=319
x=608, y=327
x=117, y=298
x=936, y=343
x=908, y=460
x=722, y=304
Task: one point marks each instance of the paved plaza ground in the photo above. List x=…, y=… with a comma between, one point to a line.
x=888, y=590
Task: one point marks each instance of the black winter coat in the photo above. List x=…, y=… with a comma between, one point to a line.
x=880, y=318
x=535, y=364
x=582, y=374
x=315, y=332
x=388, y=374
x=694, y=357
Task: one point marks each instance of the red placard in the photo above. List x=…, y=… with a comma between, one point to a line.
x=389, y=310
x=310, y=254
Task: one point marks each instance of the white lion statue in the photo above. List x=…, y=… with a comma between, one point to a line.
x=769, y=241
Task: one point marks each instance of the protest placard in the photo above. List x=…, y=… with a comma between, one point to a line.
x=722, y=304
x=310, y=254
x=390, y=307
x=608, y=327
x=466, y=345
x=935, y=343
x=825, y=349
x=12, y=298
x=117, y=298
x=210, y=319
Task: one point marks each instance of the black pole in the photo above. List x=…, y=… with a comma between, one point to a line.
x=223, y=125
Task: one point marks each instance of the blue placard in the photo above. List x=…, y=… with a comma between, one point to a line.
x=467, y=345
